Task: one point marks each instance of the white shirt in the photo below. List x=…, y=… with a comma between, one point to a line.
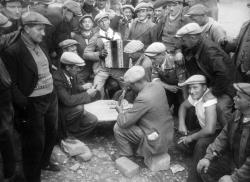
x=109, y=34
x=200, y=106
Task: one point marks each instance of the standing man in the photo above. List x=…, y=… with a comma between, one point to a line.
x=228, y=158
x=149, y=124
x=158, y=14
x=33, y=95
x=89, y=8
x=205, y=57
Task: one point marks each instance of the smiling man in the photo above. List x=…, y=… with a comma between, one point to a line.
x=197, y=132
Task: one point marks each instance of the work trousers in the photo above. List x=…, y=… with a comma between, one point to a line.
x=126, y=138
x=7, y=149
x=39, y=132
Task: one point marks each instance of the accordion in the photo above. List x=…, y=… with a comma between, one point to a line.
x=116, y=57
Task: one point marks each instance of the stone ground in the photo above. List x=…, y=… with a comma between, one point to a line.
x=101, y=168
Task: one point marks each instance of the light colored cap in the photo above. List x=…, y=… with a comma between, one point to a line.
x=141, y=5
x=133, y=46
x=134, y=74
x=4, y=21
x=100, y=16
x=154, y=49
x=197, y=9
x=67, y=43
x=73, y=6
x=159, y=3
x=189, y=29
x=46, y=2
x=243, y=88
x=193, y=80
x=128, y=6
x=32, y=17
x=72, y=58
x=86, y=16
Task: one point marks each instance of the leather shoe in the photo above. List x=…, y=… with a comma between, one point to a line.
x=52, y=167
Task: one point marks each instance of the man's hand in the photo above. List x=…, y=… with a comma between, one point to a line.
x=226, y=178
x=87, y=86
x=203, y=164
x=172, y=88
x=185, y=139
x=179, y=58
x=91, y=92
x=103, y=53
x=118, y=108
x=183, y=129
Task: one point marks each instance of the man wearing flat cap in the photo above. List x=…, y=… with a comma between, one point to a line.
x=141, y=26
x=96, y=52
x=197, y=132
x=204, y=56
x=149, y=124
x=34, y=98
x=74, y=120
x=227, y=159
x=198, y=13
x=13, y=10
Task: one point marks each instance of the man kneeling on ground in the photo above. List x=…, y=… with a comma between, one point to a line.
x=73, y=96
x=198, y=131
x=149, y=124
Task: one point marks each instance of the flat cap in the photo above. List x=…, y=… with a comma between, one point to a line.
x=159, y=3
x=243, y=88
x=32, y=17
x=193, y=80
x=72, y=58
x=141, y=5
x=73, y=6
x=155, y=48
x=7, y=1
x=189, y=29
x=4, y=21
x=134, y=74
x=100, y=16
x=133, y=46
x=128, y=6
x=86, y=16
x=197, y=9
x=46, y=2
x=67, y=43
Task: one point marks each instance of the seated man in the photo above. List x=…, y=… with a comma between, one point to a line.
x=149, y=124
x=228, y=158
x=73, y=96
x=197, y=134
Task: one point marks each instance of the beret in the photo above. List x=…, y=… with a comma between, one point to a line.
x=73, y=6
x=189, y=29
x=155, y=48
x=4, y=21
x=67, y=43
x=197, y=9
x=133, y=46
x=193, y=80
x=243, y=88
x=134, y=74
x=47, y=2
x=100, y=16
x=71, y=58
x=32, y=17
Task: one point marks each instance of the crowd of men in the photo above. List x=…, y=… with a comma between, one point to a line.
x=182, y=65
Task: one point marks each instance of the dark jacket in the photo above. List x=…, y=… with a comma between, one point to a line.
x=23, y=71
x=224, y=143
x=216, y=65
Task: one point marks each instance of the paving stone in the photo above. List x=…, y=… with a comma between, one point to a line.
x=127, y=167
x=158, y=162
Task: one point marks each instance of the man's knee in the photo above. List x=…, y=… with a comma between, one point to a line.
x=91, y=119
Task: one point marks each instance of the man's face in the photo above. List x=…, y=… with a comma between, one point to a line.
x=72, y=48
x=158, y=59
x=104, y=24
x=196, y=91
x=15, y=9
x=199, y=19
x=189, y=41
x=174, y=8
x=73, y=70
x=90, y=2
x=36, y=32
x=128, y=13
x=158, y=12
x=241, y=101
x=142, y=14
x=87, y=24
x=67, y=14
x=150, y=12
x=101, y=4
